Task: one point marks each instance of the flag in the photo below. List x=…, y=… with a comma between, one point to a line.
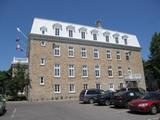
x=17, y=39
x=18, y=29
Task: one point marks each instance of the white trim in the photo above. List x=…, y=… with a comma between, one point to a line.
x=59, y=89
x=74, y=89
x=57, y=68
x=40, y=82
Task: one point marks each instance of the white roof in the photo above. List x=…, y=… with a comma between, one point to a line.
x=48, y=26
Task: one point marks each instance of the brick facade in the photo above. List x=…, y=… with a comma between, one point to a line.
x=46, y=92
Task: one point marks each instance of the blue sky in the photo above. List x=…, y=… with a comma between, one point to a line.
x=139, y=17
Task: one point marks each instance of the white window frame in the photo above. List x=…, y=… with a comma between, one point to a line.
x=108, y=52
x=111, y=86
x=72, y=88
x=107, y=38
x=117, y=40
x=42, y=61
x=43, y=43
x=120, y=70
x=97, y=70
x=84, y=71
x=110, y=70
x=70, y=51
x=57, y=88
x=83, y=53
x=96, y=53
x=57, y=31
x=70, y=33
x=129, y=71
x=83, y=35
x=71, y=71
x=57, y=50
x=94, y=36
x=41, y=80
x=125, y=41
x=118, y=53
x=57, y=70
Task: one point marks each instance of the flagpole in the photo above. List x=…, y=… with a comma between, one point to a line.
x=19, y=30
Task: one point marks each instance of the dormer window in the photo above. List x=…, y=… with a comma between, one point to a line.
x=106, y=35
x=94, y=36
x=83, y=32
x=70, y=33
x=125, y=38
x=57, y=31
x=70, y=30
x=43, y=29
x=94, y=32
x=57, y=27
x=83, y=35
x=116, y=37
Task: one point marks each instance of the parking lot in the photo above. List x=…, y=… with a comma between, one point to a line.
x=69, y=110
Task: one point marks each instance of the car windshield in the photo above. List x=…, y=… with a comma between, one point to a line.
x=151, y=96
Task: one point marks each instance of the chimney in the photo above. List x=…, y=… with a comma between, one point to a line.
x=99, y=24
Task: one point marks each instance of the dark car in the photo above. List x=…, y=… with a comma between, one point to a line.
x=122, y=98
x=2, y=104
x=149, y=103
x=87, y=96
x=104, y=98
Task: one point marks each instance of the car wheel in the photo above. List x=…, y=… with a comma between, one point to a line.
x=107, y=102
x=91, y=101
x=153, y=110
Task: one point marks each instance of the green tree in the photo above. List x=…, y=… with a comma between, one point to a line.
x=19, y=82
x=152, y=65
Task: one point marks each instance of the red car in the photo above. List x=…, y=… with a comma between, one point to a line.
x=149, y=103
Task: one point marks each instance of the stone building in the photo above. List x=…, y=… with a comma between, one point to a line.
x=65, y=58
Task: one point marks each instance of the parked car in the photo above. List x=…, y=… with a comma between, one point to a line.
x=149, y=103
x=104, y=98
x=87, y=96
x=121, y=99
x=2, y=105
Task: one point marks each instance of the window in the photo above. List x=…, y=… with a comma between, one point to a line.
x=121, y=85
x=42, y=61
x=94, y=36
x=43, y=43
x=84, y=71
x=120, y=72
x=125, y=41
x=57, y=70
x=111, y=86
x=127, y=55
x=129, y=71
x=118, y=55
x=57, y=88
x=57, y=31
x=41, y=80
x=43, y=29
x=70, y=33
x=109, y=54
x=83, y=52
x=71, y=71
x=83, y=35
x=98, y=86
x=56, y=50
x=110, y=71
x=117, y=40
x=71, y=51
x=96, y=53
x=85, y=86
x=107, y=38
x=71, y=88
x=97, y=71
